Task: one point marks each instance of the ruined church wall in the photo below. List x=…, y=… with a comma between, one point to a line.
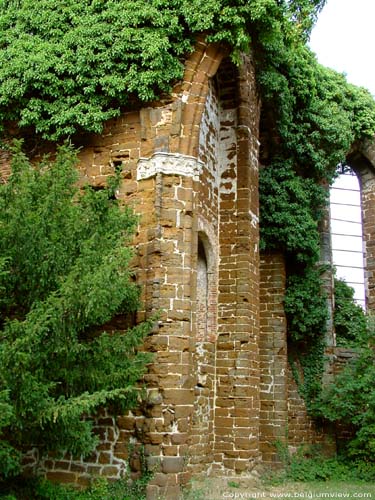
x=219, y=392
x=163, y=267
x=302, y=429
x=189, y=179
x=156, y=150
x=119, y=145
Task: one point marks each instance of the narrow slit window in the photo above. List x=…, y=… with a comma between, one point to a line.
x=202, y=292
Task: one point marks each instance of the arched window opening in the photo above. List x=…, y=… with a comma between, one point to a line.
x=202, y=292
x=347, y=233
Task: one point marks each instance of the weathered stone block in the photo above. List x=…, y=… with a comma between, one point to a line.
x=172, y=464
x=61, y=477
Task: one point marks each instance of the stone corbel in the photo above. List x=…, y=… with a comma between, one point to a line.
x=169, y=164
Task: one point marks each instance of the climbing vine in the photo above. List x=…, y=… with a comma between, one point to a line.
x=311, y=116
x=306, y=360
x=317, y=118
x=306, y=310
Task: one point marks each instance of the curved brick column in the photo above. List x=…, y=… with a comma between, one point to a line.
x=175, y=126
x=178, y=431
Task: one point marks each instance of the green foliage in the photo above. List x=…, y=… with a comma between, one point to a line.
x=305, y=306
x=291, y=206
x=305, y=299
x=316, y=116
x=350, y=400
x=349, y=318
x=100, y=489
x=65, y=275
x=81, y=61
x=306, y=359
x=310, y=117
x=69, y=66
x=233, y=484
x=10, y=460
x=308, y=465
x=305, y=12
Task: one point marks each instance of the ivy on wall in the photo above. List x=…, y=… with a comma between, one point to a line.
x=315, y=116
x=66, y=67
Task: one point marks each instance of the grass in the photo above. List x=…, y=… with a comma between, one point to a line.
x=217, y=489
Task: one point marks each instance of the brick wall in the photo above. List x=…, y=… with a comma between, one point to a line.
x=110, y=459
x=302, y=429
x=283, y=414
x=273, y=356
x=205, y=255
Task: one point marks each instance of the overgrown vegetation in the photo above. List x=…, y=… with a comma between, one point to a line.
x=349, y=318
x=350, y=401
x=318, y=116
x=69, y=66
x=100, y=489
x=64, y=276
x=82, y=62
x=308, y=464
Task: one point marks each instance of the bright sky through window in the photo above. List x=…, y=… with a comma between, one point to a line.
x=346, y=233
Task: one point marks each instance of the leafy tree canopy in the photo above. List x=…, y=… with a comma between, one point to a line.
x=64, y=274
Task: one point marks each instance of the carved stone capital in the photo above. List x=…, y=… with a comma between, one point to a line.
x=169, y=164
